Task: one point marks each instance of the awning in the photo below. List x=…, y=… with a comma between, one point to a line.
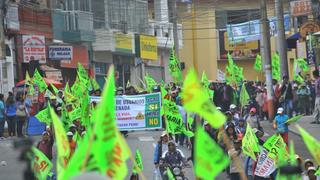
x=292, y=40
x=52, y=73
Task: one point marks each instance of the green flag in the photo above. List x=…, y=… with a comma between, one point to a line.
x=95, y=84
x=250, y=143
x=38, y=80
x=31, y=89
x=44, y=116
x=170, y=175
x=294, y=119
x=138, y=166
x=312, y=144
x=318, y=172
x=105, y=123
x=67, y=88
x=296, y=71
x=258, y=63
x=174, y=67
x=196, y=100
x=28, y=80
x=174, y=121
x=41, y=165
x=150, y=82
x=244, y=96
x=75, y=114
x=55, y=90
x=276, y=67
x=82, y=73
x=274, y=145
x=302, y=64
x=204, y=80
x=210, y=159
x=234, y=74
x=63, y=148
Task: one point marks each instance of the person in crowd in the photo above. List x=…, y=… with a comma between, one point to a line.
x=11, y=109
x=286, y=98
x=207, y=127
x=161, y=147
x=307, y=164
x=241, y=128
x=252, y=119
x=46, y=143
x=295, y=99
x=311, y=174
x=233, y=154
x=2, y=117
x=230, y=119
x=260, y=99
x=72, y=143
x=227, y=97
x=21, y=115
x=53, y=102
x=317, y=96
x=234, y=111
x=181, y=138
x=303, y=98
x=231, y=132
x=281, y=125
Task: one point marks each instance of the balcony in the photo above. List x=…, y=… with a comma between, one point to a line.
x=164, y=33
x=73, y=26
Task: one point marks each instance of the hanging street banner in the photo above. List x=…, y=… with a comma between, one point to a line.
x=34, y=48
x=60, y=53
x=138, y=112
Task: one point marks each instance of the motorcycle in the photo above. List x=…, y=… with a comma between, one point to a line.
x=176, y=170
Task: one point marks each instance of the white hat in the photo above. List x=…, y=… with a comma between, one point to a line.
x=69, y=133
x=164, y=133
x=73, y=125
x=83, y=133
x=232, y=106
x=312, y=169
x=219, y=108
x=280, y=110
x=205, y=123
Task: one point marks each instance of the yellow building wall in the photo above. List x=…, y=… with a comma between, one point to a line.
x=201, y=43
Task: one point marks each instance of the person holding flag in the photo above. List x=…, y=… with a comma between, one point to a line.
x=281, y=125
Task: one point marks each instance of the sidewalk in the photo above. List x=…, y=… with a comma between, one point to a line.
x=304, y=122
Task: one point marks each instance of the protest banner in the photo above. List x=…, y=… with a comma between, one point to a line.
x=265, y=164
x=137, y=112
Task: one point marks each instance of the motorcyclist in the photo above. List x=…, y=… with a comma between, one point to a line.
x=173, y=157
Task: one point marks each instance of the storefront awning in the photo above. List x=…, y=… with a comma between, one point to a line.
x=292, y=40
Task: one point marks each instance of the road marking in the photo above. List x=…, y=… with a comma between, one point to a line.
x=146, y=138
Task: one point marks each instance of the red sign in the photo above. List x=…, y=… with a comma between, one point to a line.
x=301, y=8
x=34, y=48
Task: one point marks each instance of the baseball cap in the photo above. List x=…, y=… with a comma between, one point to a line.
x=69, y=133
x=280, y=110
x=232, y=106
x=164, y=133
x=254, y=110
x=311, y=169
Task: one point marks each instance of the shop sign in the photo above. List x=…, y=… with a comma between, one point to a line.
x=60, y=52
x=241, y=50
x=148, y=47
x=301, y=7
x=34, y=48
x=309, y=27
x=123, y=43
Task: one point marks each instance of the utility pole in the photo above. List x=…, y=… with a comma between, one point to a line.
x=174, y=17
x=267, y=56
x=2, y=36
x=282, y=44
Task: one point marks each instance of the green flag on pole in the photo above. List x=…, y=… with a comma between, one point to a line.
x=41, y=165
x=38, y=80
x=210, y=159
x=150, y=82
x=250, y=143
x=174, y=67
x=258, y=63
x=196, y=100
x=138, y=165
x=244, y=96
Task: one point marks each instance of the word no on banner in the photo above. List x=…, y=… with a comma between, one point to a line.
x=137, y=112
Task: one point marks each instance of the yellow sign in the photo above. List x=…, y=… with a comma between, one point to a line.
x=123, y=43
x=239, y=46
x=148, y=47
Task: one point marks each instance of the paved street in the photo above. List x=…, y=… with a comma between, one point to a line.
x=145, y=141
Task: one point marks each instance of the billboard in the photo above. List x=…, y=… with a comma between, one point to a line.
x=34, y=48
x=60, y=53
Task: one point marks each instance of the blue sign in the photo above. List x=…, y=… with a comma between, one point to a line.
x=250, y=31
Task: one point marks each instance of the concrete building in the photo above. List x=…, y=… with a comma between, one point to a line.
x=205, y=38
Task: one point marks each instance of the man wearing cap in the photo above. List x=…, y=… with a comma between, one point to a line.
x=161, y=147
x=252, y=119
x=281, y=126
x=45, y=144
